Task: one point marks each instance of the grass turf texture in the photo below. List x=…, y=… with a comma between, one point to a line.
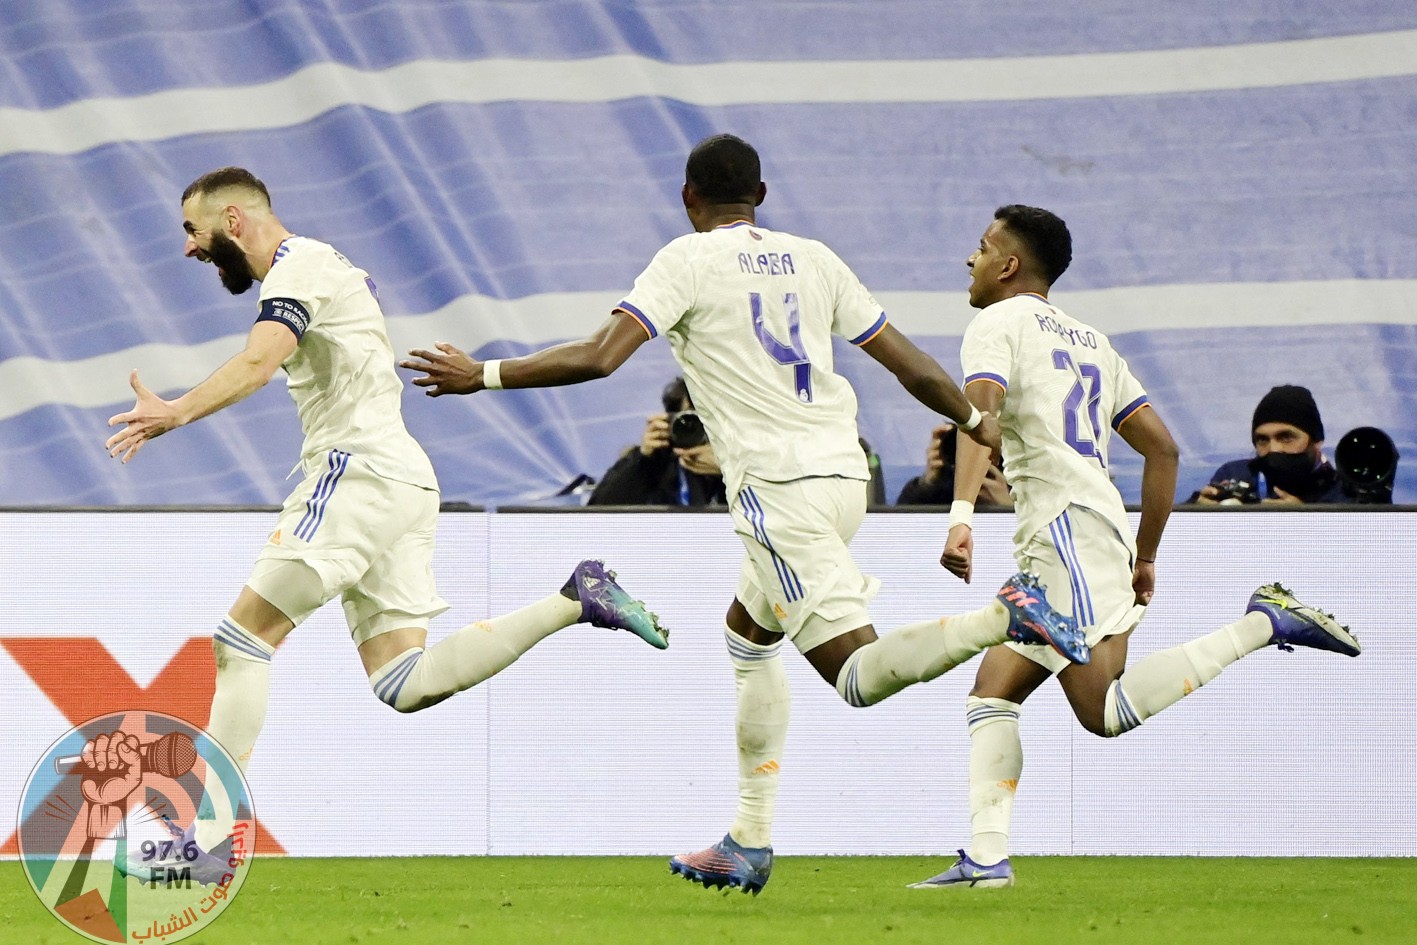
x=816, y=900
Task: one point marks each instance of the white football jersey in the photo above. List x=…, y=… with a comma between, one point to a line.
x=1066, y=391
x=750, y=315
x=341, y=375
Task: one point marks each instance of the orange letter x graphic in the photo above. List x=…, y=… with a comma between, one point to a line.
x=83, y=680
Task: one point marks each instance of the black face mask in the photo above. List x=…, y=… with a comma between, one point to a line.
x=1295, y=473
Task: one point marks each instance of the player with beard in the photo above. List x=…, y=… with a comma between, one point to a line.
x=360, y=525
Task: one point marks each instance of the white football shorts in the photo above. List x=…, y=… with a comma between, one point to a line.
x=798, y=577
x=368, y=540
x=1086, y=568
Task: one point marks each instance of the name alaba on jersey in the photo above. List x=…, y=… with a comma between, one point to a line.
x=750, y=313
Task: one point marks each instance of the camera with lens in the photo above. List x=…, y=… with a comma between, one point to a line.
x=686, y=430
x=1366, y=459
x=1236, y=492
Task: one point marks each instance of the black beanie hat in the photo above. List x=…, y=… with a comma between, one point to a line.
x=1292, y=405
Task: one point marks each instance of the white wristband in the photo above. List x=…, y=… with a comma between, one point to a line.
x=962, y=513
x=492, y=374
x=974, y=418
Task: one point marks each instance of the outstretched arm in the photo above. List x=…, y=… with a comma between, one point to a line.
x=1146, y=434
x=267, y=347
x=452, y=371
x=927, y=382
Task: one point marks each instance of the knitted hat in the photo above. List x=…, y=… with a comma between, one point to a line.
x=1292, y=405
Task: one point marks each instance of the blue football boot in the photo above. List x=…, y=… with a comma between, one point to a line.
x=1297, y=624
x=726, y=865
x=605, y=604
x=969, y=874
x=1033, y=620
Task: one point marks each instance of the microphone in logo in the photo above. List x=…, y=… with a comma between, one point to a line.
x=171, y=756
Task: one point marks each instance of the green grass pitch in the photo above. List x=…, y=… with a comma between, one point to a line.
x=812, y=900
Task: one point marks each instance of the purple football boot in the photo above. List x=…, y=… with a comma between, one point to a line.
x=605, y=604
x=969, y=874
x=1297, y=624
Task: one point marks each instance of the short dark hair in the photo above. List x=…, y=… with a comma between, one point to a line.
x=724, y=169
x=224, y=177
x=1044, y=234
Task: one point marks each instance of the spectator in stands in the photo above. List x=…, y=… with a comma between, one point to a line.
x=1288, y=467
x=935, y=486
x=660, y=471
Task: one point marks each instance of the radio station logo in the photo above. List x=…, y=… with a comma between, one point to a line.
x=136, y=827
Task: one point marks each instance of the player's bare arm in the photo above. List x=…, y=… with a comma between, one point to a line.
x=972, y=462
x=451, y=371
x=927, y=382
x=1146, y=434
x=267, y=347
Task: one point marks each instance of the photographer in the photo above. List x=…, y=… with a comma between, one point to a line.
x=673, y=464
x=936, y=485
x=1288, y=467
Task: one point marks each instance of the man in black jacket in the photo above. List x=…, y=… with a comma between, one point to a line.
x=673, y=464
x=1289, y=467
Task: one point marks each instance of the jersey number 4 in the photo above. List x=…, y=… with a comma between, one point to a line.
x=791, y=354
x=1076, y=425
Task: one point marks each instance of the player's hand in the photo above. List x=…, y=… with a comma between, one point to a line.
x=656, y=435
x=700, y=460
x=988, y=434
x=150, y=417
x=958, y=558
x=446, y=371
x=1282, y=498
x=1144, y=581
x=115, y=771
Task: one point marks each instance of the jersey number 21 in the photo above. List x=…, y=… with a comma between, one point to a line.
x=1075, y=426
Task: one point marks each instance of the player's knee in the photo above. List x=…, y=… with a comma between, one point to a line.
x=853, y=700
x=401, y=686
x=407, y=705
x=848, y=685
x=1096, y=724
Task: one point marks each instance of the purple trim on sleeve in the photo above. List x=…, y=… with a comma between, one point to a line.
x=1128, y=410
x=986, y=376
x=638, y=316
x=871, y=332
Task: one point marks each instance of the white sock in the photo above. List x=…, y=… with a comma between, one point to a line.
x=764, y=706
x=418, y=678
x=243, y=685
x=1168, y=676
x=918, y=653
x=995, y=763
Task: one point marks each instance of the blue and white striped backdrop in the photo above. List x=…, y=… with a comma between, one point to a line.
x=1238, y=175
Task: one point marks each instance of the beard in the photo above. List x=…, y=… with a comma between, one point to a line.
x=231, y=264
